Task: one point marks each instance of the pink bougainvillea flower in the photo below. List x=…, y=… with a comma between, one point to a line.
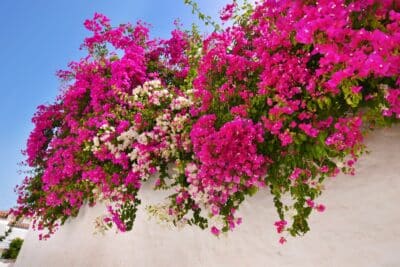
x=320, y=207
x=215, y=231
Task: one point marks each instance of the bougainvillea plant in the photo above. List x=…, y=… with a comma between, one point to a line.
x=273, y=103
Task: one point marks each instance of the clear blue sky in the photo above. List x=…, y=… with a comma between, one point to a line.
x=39, y=37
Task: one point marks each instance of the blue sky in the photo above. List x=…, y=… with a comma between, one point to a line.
x=39, y=37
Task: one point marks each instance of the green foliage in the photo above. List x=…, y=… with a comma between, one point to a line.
x=13, y=250
x=7, y=233
x=201, y=16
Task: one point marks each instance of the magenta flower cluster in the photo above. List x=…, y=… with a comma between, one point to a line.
x=228, y=161
x=277, y=101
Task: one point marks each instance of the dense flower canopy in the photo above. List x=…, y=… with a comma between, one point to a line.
x=275, y=102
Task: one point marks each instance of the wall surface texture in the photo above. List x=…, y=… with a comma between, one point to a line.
x=360, y=227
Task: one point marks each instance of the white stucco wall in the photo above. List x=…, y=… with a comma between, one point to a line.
x=361, y=227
